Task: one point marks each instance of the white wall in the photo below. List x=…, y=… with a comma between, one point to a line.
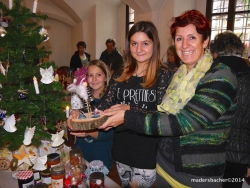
x=104, y=21
x=59, y=42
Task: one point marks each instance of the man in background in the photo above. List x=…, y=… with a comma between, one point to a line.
x=111, y=57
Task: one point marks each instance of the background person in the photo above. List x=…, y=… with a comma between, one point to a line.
x=195, y=114
x=228, y=49
x=173, y=60
x=111, y=57
x=95, y=145
x=80, y=57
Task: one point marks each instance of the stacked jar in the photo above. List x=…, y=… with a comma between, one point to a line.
x=53, y=159
x=57, y=176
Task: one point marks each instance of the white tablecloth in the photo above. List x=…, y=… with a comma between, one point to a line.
x=6, y=181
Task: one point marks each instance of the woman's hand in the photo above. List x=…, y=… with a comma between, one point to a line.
x=118, y=107
x=116, y=118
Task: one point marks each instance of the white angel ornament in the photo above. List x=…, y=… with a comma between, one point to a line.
x=28, y=135
x=39, y=162
x=47, y=75
x=57, y=139
x=9, y=124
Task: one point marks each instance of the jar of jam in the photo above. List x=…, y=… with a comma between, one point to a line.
x=46, y=177
x=57, y=176
x=53, y=159
x=75, y=157
x=96, y=179
x=25, y=179
x=37, y=178
x=41, y=185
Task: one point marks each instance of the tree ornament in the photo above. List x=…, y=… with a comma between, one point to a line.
x=28, y=135
x=3, y=32
x=2, y=69
x=56, y=78
x=44, y=122
x=39, y=162
x=9, y=124
x=4, y=22
x=2, y=114
x=22, y=94
x=24, y=56
x=23, y=157
x=44, y=33
x=57, y=139
x=47, y=75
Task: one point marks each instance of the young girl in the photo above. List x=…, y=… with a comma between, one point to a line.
x=141, y=86
x=96, y=145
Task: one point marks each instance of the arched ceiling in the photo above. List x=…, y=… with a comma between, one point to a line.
x=80, y=10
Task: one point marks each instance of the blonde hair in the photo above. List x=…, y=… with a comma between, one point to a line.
x=154, y=64
x=105, y=70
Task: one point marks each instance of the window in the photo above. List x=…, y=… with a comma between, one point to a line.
x=231, y=15
x=129, y=18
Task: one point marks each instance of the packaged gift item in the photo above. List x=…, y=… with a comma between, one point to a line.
x=96, y=180
x=25, y=179
x=96, y=166
x=53, y=160
x=46, y=177
x=57, y=176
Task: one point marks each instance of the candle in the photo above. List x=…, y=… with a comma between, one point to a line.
x=36, y=85
x=67, y=111
x=10, y=4
x=35, y=6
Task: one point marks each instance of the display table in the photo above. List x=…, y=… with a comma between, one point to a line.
x=8, y=181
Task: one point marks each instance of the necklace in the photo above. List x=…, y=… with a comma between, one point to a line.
x=140, y=72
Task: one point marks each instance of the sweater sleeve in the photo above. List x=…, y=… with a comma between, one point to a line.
x=214, y=97
x=104, y=135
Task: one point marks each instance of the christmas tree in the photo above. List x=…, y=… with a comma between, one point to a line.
x=19, y=53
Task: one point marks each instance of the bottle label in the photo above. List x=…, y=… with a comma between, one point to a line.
x=46, y=180
x=36, y=176
x=54, y=165
x=28, y=184
x=57, y=183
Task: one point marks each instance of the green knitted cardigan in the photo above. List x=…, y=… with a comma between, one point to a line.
x=200, y=129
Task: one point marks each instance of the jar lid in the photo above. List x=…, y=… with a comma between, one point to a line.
x=57, y=170
x=96, y=175
x=41, y=185
x=23, y=175
x=45, y=172
x=96, y=165
x=53, y=157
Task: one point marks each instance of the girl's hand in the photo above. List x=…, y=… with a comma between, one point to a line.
x=79, y=134
x=74, y=115
x=116, y=118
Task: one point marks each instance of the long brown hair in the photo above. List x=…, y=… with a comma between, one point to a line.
x=130, y=64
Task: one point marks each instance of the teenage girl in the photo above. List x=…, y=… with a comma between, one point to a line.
x=140, y=85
